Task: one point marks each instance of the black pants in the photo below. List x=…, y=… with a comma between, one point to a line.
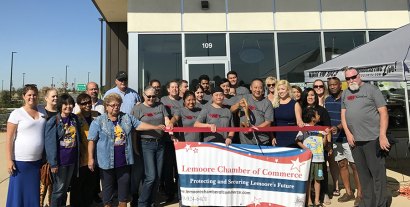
x=370, y=164
x=83, y=187
x=119, y=176
x=169, y=172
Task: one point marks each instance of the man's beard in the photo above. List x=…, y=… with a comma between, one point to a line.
x=354, y=86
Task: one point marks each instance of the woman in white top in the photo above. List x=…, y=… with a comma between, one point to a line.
x=24, y=149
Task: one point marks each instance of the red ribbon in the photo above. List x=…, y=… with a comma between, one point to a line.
x=249, y=129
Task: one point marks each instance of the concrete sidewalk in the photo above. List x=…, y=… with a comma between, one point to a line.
x=398, y=172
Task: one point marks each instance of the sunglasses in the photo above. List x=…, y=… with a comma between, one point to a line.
x=270, y=85
x=85, y=103
x=351, y=77
x=318, y=86
x=153, y=96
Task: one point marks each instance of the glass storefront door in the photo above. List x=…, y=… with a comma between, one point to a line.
x=216, y=69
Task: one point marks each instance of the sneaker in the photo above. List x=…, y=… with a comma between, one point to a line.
x=345, y=198
x=357, y=201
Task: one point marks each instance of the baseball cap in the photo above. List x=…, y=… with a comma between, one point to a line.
x=121, y=75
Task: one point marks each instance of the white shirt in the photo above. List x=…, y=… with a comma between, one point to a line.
x=29, y=137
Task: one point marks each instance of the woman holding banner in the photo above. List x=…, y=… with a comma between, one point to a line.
x=285, y=112
x=216, y=115
x=310, y=98
x=186, y=117
x=152, y=144
x=199, y=96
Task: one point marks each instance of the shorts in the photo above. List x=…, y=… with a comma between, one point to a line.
x=316, y=171
x=341, y=150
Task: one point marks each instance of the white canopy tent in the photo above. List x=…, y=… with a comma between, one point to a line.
x=384, y=59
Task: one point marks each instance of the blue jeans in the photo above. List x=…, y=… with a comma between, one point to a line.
x=61, y=182
x=153, y=156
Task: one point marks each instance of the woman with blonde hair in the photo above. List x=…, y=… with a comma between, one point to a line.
x=270, y=83
x=51, y=97
x=285, y=114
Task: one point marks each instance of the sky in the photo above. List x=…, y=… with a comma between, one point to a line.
x=48, y=35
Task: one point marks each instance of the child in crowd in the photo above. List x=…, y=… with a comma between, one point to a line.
x=314, y=141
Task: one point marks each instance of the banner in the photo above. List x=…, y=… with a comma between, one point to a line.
x=386, y=72
x=249, y=129
x=212, y=174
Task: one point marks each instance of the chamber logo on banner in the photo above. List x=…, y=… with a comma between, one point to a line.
x=212, y=174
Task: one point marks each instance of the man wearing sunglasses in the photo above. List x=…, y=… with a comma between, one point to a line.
x=365, y=120
x=129, y=96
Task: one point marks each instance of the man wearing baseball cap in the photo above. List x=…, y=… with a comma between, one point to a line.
x=129, y=96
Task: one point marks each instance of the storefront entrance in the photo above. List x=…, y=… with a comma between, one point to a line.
x=215, y=67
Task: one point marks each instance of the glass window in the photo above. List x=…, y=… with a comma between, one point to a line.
x=298, y=52
x=197, y=45
x=376, y=34
x=159, y=57
x=215, y=72
x=252, y=56
x=337, y=43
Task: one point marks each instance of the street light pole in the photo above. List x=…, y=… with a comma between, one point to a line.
x=65, y=84
x=11, y=73
x=101, y=53
x=88, y=77
x=23, y=78
x=52, y=82
x=2, y=89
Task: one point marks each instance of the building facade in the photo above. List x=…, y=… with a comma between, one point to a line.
x=182, y=39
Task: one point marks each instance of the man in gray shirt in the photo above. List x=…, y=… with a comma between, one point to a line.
x=236, y=89
x=365, y=120
x=260, y=114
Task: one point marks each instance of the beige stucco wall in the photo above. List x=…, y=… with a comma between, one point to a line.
x=196, y=19
x=343, y=14
x=265, y=15
x=242, y=15
x=387, y=14
x=154, y=15
x=297, y=15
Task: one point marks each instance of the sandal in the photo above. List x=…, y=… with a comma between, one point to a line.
x=336, y=193
x=319, y=205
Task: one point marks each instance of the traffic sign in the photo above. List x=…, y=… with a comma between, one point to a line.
x=81, y=87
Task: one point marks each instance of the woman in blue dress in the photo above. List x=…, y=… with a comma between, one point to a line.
x=285, y=114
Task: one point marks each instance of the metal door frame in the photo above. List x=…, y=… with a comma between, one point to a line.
x=204, y=60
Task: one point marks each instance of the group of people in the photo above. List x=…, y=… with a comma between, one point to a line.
x=120, y=141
